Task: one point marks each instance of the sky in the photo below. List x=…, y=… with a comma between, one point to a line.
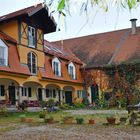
x=76, y=25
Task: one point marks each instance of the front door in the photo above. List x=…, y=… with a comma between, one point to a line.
x=12, y=95
x=68, y=97
x=94, y=93
x=39, y=94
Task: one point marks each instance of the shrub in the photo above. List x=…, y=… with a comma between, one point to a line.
x=42, y=114
x=43, y=104
x=48, y=119
x=79, y=105
x=3, y=110
x=50, y=102
x=103, y=103
x=22, y=117
x=79, y=120
x=65, y=106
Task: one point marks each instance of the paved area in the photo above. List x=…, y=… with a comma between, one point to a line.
x=31, y=109
x=72, y=132
x=84, y=112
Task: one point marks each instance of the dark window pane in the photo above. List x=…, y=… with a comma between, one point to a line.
x=54, y=94
x=29, y=92
x=2, y=90
x=47, y=93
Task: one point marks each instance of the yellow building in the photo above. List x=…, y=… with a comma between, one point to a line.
x=33, y=69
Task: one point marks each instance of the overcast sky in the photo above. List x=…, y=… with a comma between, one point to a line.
x=76, y=24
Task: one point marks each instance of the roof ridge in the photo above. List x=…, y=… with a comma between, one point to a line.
x=21, y=10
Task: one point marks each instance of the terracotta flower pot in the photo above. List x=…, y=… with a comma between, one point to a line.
x=22, y=119
x=91, y=121
x=50, y=121
x=29, y=120
x=111, y=120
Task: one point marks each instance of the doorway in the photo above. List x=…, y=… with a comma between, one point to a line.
x=12, y=95
x=68, y=97
x=94, y=93
x=39, y=94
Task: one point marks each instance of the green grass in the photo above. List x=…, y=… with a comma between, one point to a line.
x=12, y=121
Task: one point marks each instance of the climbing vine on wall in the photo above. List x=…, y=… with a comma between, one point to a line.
x=123, y=78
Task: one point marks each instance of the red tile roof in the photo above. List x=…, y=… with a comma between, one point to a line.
x=48, y=73
x=6, y=37
x=56, y=50
x=14, y=65
x=106, y=48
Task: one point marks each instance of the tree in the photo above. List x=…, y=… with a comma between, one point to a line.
x=63, y=6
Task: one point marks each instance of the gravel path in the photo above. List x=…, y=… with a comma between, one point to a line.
x=73, y=132
x=84, y=112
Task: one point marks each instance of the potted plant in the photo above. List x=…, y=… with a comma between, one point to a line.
x=49, y=119
x=123, y=120
x=22, y=118
x=79, y=120
x=29, y=120
x=111, y=119
x=91, y=121
x=42, y=114
x=68, y=119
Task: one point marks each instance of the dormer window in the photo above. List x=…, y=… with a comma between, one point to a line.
x=56, y=66
x=32, y=63
x=72, y=71
x=31, y=37
x=3, y=54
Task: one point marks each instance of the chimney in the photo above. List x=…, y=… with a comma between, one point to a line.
x=133, y=24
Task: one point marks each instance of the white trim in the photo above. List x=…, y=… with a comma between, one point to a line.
x=74, y=70
x=56, y=60
x=33, y=37
x=31, y=53
x=3, y=45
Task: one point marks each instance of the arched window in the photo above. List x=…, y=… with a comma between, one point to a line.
x=56, y=66
x=3, y=54
x=72, y=71
x=32, y=63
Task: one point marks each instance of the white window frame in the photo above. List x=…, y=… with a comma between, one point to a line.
x=79, y=93
x=23, y=92
x=32, y=62
x=30, y=35
x=5, y=47
x=72, y=76
x=56, y=60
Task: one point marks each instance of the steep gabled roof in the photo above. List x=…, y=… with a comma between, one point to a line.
x=36, y=11
x=106, y=48
x=26, y=11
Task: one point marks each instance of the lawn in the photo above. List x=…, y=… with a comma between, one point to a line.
x=11, y=126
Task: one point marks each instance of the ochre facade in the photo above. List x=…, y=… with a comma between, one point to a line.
x=16, y=78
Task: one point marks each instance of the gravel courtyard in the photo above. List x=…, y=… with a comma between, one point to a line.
x=73, y=132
